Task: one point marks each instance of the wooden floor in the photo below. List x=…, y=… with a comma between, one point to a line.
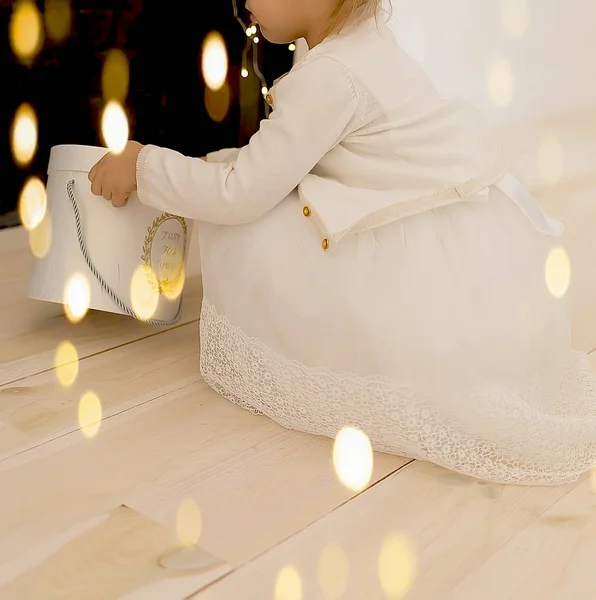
x=90, y=518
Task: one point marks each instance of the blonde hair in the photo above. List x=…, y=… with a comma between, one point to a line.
x=352, y=11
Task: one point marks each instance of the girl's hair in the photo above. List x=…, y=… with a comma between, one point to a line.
x=352, y=11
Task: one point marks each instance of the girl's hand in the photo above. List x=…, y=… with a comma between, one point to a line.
x=115, y=176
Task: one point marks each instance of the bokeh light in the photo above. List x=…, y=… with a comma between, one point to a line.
x=288, y=585
x=40, y=237
x=333, y=571
x=77, y=297
x=551, y=159
x=114, y=126
x=244, y=73
x=67, y=363
x=557, y=272
x=214, y=61
x=500, y=82
x=24, y=135
x=397, y=566
x=172, y=289
x=189, y=523
x=32, y=203
x=217, y=103
x=115, y=76
x=515, y=15
x=144, y=292
x=353, y=458
x=26, y=30
x=58, y=19
x=292, y=47
x=89, y=414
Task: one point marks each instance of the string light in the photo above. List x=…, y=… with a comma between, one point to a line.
x=292, y=47
x=250, y=32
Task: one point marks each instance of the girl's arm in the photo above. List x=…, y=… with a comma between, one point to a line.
x=314, y=108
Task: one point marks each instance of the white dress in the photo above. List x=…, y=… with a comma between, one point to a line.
x=436, y=335
x=427, y=321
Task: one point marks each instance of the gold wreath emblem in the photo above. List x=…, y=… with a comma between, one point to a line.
x=164, y=286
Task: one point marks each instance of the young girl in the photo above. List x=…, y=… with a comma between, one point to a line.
x=369, y=261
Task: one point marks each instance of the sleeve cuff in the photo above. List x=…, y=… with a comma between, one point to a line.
x=143, y=188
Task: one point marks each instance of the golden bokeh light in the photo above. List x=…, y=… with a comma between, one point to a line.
x=114, y=127
x=172, y=289
x=288, y=585
x=77, y=297
x=256, y=40
x=58, y=19
x=264, y=90
x=26, y=30
x=551, y=159
x=333, y=572
x=292, y=47
x=24, y=135
x=515, y=15
x=33, y=203
x=218, y=103
x=244, y=73
x=189, y=523
x=500, y=82
x=214, y=61
x=115, y=76
x=353, y=458
x=40, y=237
x=144, y=292
x=89, y=413
x=557, y=272
x=397, y=566
x=67, y=363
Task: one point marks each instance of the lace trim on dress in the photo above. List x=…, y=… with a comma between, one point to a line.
x=539, y=447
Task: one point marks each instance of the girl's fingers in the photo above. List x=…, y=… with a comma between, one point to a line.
x=119, y=200
x=96, y=185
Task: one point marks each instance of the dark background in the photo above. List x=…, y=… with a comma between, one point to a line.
x=162, y=40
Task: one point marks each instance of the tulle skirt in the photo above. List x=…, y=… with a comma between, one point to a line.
x=436, y=335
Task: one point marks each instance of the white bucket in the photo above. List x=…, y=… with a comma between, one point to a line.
x=119, y=243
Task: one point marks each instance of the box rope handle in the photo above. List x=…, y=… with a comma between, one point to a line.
x=119, y=303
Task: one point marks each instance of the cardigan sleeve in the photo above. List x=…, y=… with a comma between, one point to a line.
x=313, y=109
x=226, y=155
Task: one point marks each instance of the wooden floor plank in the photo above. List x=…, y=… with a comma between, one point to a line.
x=41, y=408
x=254, y=482
x=440, y=525
x=552, y=559
x=11, y=440
x=114, y=555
